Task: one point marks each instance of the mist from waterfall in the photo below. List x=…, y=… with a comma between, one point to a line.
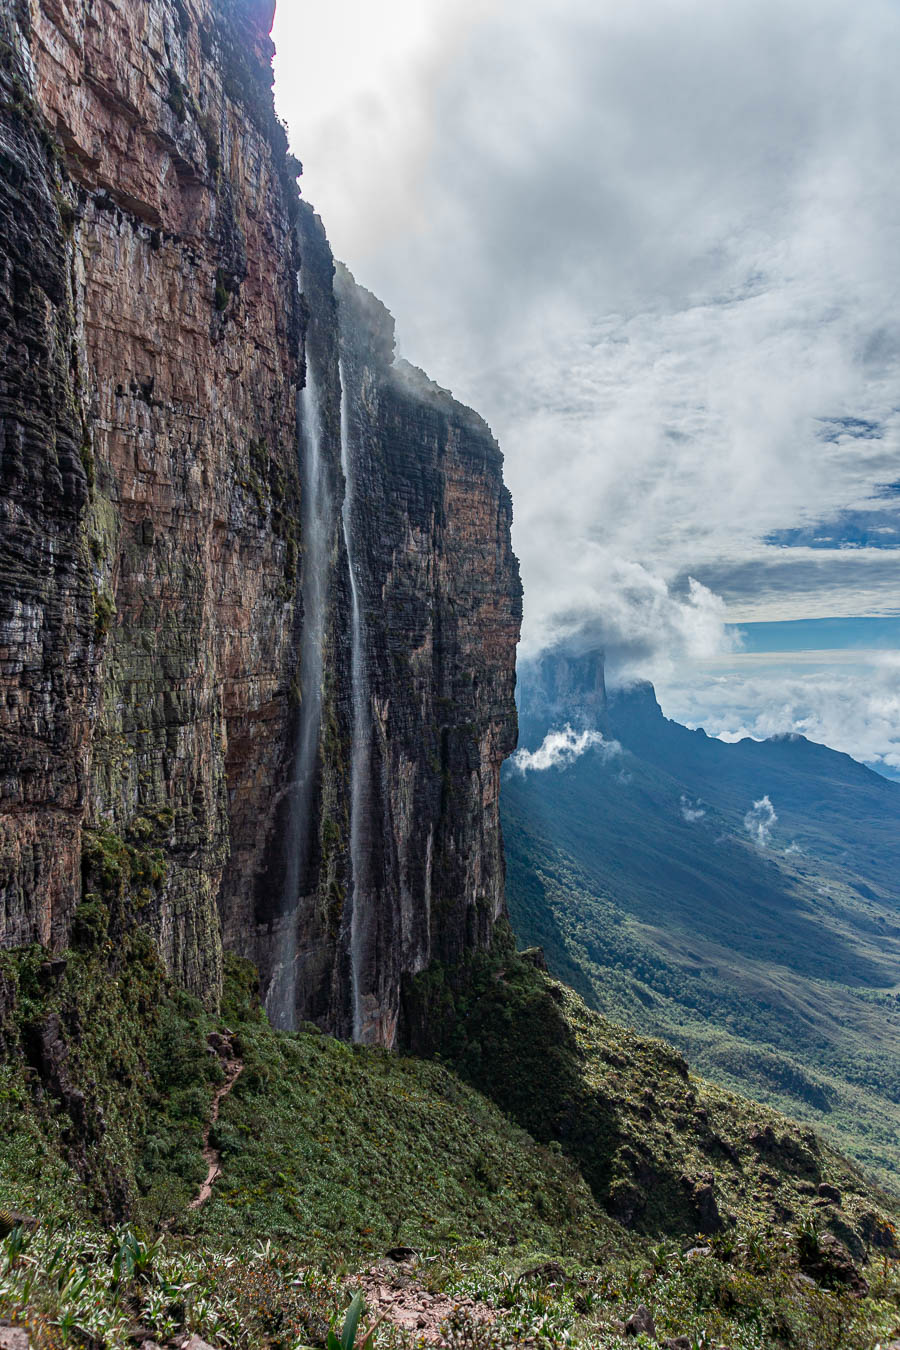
x=315, y=514
x=359, y=766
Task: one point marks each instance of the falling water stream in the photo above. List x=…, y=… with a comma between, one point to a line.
x=315, y=514
x=360, y=753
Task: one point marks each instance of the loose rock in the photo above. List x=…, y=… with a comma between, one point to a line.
x=195, y=1343
x=14, y=1338
x=399, y=1254
x=551, y=1272
x=641, y=1320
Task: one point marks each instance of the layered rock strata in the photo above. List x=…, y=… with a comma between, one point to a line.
x=440, y=605
x=154, y=343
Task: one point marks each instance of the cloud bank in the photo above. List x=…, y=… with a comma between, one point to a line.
x=849, y=700
x=655, y=244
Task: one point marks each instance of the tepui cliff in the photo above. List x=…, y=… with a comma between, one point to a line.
x=259, y=606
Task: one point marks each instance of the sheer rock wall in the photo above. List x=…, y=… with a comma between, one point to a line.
x=154, y=340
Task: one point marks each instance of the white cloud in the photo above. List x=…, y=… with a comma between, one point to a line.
x=760, y=821
x=633, y=614
x=691, y=812
x=849, y=700
x=655, y=245
x=561, y=748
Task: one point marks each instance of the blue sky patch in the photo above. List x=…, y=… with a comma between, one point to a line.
x=803, y=635
x=857, y=428
x=848, y=529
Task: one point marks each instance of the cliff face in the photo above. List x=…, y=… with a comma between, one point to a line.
x=563, y=685
x=439, y=600
x=158, y=547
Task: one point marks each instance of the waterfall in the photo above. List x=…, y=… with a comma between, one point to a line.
x=315, y=514
x=359, y=763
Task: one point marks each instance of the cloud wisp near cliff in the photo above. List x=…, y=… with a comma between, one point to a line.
x=561, y=748
x=655, y=246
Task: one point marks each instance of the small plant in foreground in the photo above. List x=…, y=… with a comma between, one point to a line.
x=134, y=1258
x=347, y=1338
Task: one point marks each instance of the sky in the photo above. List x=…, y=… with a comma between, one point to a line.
x=656, y=246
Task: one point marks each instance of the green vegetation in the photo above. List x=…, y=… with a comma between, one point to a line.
x=87, y=454
x=332, y=1155
x=357, y=1150
x=104, y=614
x=222, y=293
x=123, y=873
x=178, y=97
x=79, y=1285
x=210, y=132
x=339, y=1148
x=125, y=1077
x=662, y=1150
x=813, y=1048
x=347, y=1338
x=75, y=1285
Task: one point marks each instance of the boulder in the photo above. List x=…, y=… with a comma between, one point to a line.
x=845, y=1233
x=14, y=1338
x=641, y=1321
x=830, y=1264
x=706, y=1205
x=13, y=1218
x=535, y=957
x=550, y=1272
x=195, y=1343
x=878, y=1231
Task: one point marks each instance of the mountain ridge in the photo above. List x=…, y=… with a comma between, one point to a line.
x=773, y=965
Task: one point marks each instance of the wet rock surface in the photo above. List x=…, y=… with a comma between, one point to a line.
x=441, y=601
x=144, y=622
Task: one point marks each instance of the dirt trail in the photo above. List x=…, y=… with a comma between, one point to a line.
x=233, y=1066
x=393, y=1294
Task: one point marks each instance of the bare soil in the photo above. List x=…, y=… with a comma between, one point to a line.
x=394, y=1295
x=233, y=1067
